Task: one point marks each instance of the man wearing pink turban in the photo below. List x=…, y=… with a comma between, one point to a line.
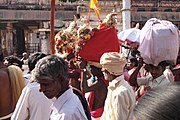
x=120, y=99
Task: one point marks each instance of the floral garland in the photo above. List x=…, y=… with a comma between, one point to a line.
x=109, y=21
x=65, y=39
x=84, y=33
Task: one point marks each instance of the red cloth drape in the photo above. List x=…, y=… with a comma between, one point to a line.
x=104, y=40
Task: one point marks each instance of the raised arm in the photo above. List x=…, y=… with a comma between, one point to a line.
x=133, y=77
x=85, y=75
x=85, y=87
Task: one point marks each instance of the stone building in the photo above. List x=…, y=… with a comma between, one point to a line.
x=142, y=10
x=25, y=27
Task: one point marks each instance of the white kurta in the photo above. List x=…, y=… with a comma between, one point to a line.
x=68, y=107
x=32, y=104
x=120, y=101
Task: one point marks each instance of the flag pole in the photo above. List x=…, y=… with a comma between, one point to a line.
x=52, y=42
x=89, y=12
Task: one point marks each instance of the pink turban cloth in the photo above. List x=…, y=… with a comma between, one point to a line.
x=113, y=62
x=159, y=41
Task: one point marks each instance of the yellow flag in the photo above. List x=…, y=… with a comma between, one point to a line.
x=94, y=5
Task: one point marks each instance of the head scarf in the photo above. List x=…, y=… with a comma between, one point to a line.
x=113, y=62
x=159, y=41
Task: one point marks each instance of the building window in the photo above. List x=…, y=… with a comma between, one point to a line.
x=154, y=9
x=141, y=9
x=168, y=10
x=178, y=10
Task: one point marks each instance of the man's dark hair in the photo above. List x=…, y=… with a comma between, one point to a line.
x=160, y=103
x=34, y=58
x=164, y=64
x=135, y=61
x=13, y=60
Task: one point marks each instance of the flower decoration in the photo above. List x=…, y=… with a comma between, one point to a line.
x=76, y=36
x=110, y=20
x=65, y=39
x=84, y=33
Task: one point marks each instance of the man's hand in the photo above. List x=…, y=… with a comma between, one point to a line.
x=140, y=62
x=82, y=64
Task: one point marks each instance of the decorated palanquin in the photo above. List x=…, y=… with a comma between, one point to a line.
x=90, y=43
x=104, y=40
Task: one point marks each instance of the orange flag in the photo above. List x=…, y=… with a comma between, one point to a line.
x=94, y=5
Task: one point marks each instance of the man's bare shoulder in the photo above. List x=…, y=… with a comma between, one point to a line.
x=4, y=75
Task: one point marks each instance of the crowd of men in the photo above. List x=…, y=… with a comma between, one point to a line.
x=142, y=87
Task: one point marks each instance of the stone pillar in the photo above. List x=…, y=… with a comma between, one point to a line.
x=78, y=9
x=9, y=39
x=44, y=42
x=126, y=14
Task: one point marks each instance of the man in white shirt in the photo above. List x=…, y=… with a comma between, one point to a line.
x=51, y=73
x=120, y=100
x=156, y=78
x=32, y=104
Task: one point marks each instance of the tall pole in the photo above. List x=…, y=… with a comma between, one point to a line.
x=126, y=14
x=52, y=42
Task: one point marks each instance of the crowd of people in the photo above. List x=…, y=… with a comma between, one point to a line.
x=142, y=87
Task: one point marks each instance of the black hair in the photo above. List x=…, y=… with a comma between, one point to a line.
x=135, y=61
x=160, y=103
x=164, y=63
x=34, y=58
x=92, y=66
x=13, y=60
x=98, y=71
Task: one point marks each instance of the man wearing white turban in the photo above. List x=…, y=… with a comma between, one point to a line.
x=120, y=99
x=159, y=41
x=159, y=46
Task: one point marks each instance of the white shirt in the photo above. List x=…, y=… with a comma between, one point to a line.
x=120, y=101
x=161, y=80
x=68, y=107
x=25, y=68
x=32, y=104
x=27, y=77
x=168, y=74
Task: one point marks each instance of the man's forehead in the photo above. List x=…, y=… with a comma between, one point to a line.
x=44, y=79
